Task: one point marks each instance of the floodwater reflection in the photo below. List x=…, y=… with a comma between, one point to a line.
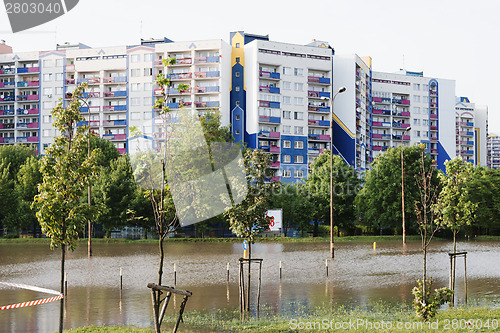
x=358, y=276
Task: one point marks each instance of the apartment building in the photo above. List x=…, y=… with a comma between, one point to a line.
x=121, y=87
x=471, y=131
x=352, y=110
x=409, y=108
x=279, y=103
x=493, y=158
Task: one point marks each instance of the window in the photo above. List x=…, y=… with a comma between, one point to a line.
x=417, y=133
x=48, y=105
x=416, y=86
x=148, y=71
x=59, y=62
x=425, y=134
x=425, y=87
x=298, y=173
x=59, y=90
x=287, y=129
x=299, y=86
x=298, y=130
x=237, y=59
x=298, y=159
x=148, y=101
x=135, y=101
x=148, y=115
x=148, y=57
x=425, y=122
x=425, y=99
x=237, y=117
x=287, y=159
x=47, y=132
x=298, y=101
x=237, y=74
x=237, y=103
x=263, y=143
x=425, y=110
x=237, y=88
x=298, y=145
x=47, y=119
x=286, y=173
x=48, y=63
x=298, y=71
x=416, y=98
x=416, y=122
x=136, y=86
x=237, y=132
x=286, y=99
x=416, y=109
x=287, y=70
x=287, y=114
x=237, y=45
x=47, y=91
x=135, y=72
x=148, y=86
x=287, y=144
x=135, y=58
x=298, y=115
x=135, y=115
x=287, y=85
x=47, y=77
x=59, y=76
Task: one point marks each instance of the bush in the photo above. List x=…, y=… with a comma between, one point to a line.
x=427, y=309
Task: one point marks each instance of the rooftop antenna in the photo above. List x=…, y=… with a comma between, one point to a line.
x=404, y=62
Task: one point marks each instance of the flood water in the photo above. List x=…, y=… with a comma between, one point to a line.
x=358, y=276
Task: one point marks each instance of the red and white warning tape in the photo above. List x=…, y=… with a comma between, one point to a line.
x=31, y=303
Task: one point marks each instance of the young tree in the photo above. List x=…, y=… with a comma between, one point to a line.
x=454, y=204
x=426, y=217
x=67, y=171
x=248, y=219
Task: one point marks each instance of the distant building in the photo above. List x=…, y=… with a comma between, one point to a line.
x=493, y=160
x=471, y=131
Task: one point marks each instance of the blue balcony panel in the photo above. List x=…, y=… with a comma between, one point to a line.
x=274, y=90
x=324, y=94
x=274, y=75
x=275, y=105
x=276, y=120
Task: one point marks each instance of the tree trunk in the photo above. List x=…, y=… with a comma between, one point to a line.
x=249, y=274
x=453, y=266
x=424, y=281
x=315, y=229
x=63, y=258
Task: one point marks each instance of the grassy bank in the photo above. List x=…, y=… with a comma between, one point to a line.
x=346, y=239
x=377, y=318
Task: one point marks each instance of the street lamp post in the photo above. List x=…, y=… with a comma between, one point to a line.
x=403, y=187
x=332, y=100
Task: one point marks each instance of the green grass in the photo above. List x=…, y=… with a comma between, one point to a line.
x=324, y=317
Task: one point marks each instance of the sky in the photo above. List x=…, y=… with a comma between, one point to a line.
x=450, y=39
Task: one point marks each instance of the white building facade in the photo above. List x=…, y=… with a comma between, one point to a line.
x=471, y=131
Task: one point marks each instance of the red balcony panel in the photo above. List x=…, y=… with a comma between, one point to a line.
x=32, y=139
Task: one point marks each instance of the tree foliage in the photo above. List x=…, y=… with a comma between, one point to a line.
x=379, y=201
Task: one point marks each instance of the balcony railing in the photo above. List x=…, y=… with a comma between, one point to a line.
x=7, y=71
x=121, y=93
x=268, y=134
x=318, y=94
x=204, y=60
x=9, y=84
x=269, y=104
x=6, y=112
x=110, y=123
x=90, y=80
x=180, y=76
x=7, y=126
x=114, y=79
x=25, y=70
x=209, y=104
x=318, y=108
x=272, y=90
x=201, y=90
x=275, y=164
x=114, y=108
x=26, y=84
x=7, y=98
x=269, y=75
x=318, y=80
x=85, y=109
x=202, y=75
x=268, y=119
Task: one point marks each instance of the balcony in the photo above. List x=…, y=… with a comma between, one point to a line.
x=318, y=80
x=7, y=98
x=316, y=108
x=183, y=61
x=25, y=70
x=205, y=75
x=107, y=108
x=90, y=80
x=209, y=104
x=114, y=79
x=269, y=75
x=433, y=105
x=272, y=90
x=202, y=90
x=268, y=134
x=322, y=123
x=318, y=94
x=318, y=137
x=275, y=164
x=267, y=119
x=27, y=84
x=180, y=76
x=274, y=149
x=113, y=123
x=85, y=109
x=92, y=94
x=7, y=140
x=7, y=71
x=111, y=94
x=21, y=98
x=382, y=111
x=204, y=60
x=401, y=101
x=7, y=126
x=9, y=85
x=381, y=124
x=6, y=112
x=269, y=104
x=122, y=150
x=400, y=125
x=404, y=114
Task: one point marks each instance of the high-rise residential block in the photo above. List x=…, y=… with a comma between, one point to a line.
x=471, y=131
